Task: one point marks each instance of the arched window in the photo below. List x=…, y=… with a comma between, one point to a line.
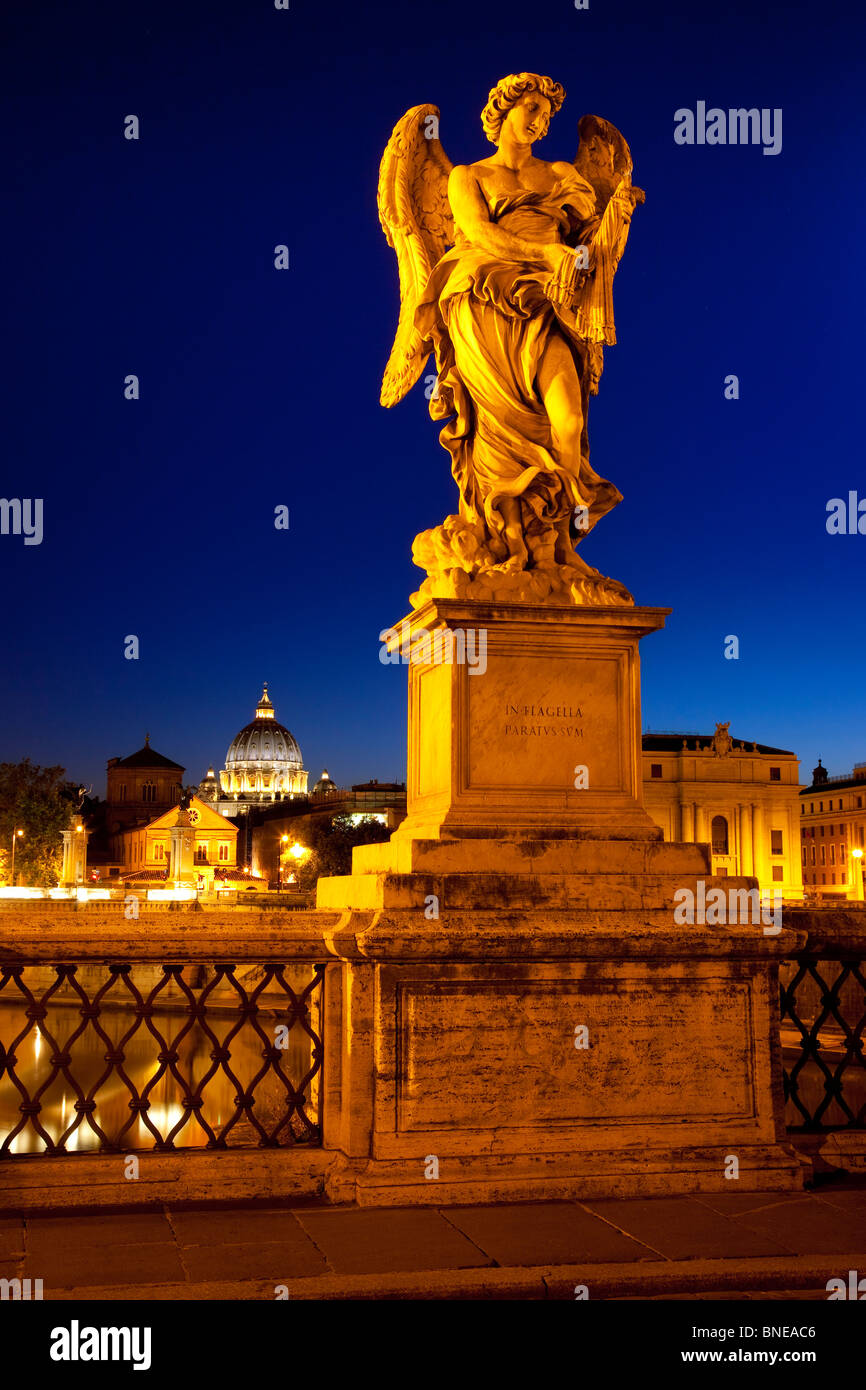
x=719, y=834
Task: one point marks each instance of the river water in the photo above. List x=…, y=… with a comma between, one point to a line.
x=141, y=1049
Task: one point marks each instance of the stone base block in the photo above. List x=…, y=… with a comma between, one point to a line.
x=501, y=855
x=538, y=735
x=558, y=1059
x=464, y=1180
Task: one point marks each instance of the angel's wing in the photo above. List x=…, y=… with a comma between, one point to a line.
x=416, y=219
x=604, y=160
x=603, y=157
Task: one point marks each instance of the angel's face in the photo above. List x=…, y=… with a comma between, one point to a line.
x=528, y=118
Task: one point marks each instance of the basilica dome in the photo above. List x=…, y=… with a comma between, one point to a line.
x=263, y=760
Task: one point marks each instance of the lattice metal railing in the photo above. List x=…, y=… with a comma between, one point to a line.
x=119, y=1058
x=823, y=1019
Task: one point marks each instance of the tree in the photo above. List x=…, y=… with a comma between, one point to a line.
x=332, y=843
x=39, y=801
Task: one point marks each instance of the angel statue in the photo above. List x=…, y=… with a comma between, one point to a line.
x=506, y=273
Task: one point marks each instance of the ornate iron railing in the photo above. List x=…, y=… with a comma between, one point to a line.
x=118, y=1058
x=823, y=1019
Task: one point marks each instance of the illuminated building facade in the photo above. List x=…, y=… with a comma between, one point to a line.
x=263, y=764
x=740, y=798
x=832, y=831
x=213, y=856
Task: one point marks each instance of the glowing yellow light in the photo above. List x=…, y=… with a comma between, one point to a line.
x=298, y=851
x=857, y=853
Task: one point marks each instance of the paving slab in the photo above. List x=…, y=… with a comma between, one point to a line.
x=280, y=1261
x=238, y=1227
x=88, y=1264
x=812, y=1228
x=11, y=1239
x=734, y=1203
x=55, y=1233
x=845, y=1201
x=544, y=1233
x=680, y=1228
x=383, y=1240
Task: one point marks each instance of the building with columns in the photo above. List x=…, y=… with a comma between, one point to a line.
x=833, y=834
x=741, y=798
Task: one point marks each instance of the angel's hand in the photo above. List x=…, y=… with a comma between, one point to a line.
x=559, y=259
x=628, y=193
x=567, y=275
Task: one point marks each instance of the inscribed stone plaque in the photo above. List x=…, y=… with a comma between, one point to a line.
x=533, y=720
x=659, y=1052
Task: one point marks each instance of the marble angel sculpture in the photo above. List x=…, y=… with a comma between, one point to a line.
x=506, y=270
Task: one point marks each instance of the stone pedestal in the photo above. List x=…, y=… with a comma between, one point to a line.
x=181, y=872
x=496, y=741
x=521, y=1015
x=74, y=870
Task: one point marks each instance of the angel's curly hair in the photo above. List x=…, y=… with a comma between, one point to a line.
x=509, y=90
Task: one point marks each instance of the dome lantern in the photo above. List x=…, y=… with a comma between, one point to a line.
x=265, y=708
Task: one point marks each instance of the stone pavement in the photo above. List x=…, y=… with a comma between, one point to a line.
x=730, y=1245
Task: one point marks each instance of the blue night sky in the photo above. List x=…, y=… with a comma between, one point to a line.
x=260, y=387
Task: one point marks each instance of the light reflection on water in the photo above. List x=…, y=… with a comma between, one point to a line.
x=141, y=1052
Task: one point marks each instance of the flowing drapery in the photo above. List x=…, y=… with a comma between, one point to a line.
x=489, y=321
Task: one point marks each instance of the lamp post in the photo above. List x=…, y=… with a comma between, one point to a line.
x=281, y=849
x=16, y=835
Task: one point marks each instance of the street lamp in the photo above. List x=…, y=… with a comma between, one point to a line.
x=284, y=840
x=299, y=853
x=16, y=835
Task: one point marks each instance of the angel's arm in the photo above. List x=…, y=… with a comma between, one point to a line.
x=581, y=194
x=473, y=218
